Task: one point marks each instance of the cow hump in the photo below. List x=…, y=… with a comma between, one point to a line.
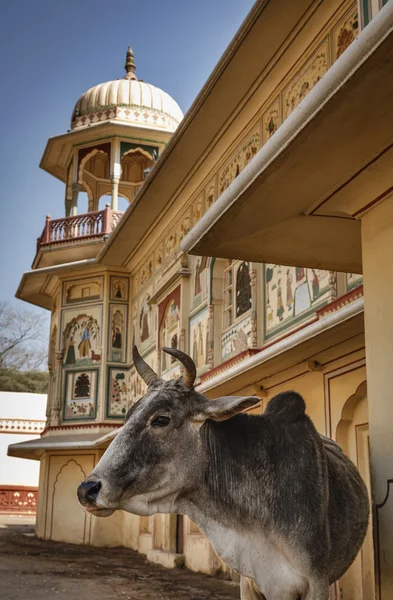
x=286, y=405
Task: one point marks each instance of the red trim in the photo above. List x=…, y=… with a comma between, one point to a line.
x=228, y=363
x=350, y=296
x=341, y=187
x=370, y=204
x=18, y=499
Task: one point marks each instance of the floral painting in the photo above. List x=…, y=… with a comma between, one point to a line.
x=119, y=392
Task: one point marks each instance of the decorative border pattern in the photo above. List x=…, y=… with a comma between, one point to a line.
x=126, y=372
x=22, y=426
x=302, y=76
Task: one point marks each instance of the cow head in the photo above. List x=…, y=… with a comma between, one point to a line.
x=158, y=455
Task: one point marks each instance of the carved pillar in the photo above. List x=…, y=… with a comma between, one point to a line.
x=332, y=285
x=74, y=202
x=254, y=331
x=210, y=338
x=115, y=193
x=56, y=391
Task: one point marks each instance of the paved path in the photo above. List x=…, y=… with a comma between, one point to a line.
x=32, y=569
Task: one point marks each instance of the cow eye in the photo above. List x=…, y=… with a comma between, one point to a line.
x=160, y=421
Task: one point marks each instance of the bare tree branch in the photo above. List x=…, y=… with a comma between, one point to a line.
x=23, y=338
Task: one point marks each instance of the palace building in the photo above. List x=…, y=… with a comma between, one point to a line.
x=248, y=225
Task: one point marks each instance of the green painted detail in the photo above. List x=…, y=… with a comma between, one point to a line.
x=366, y=12
x=111, y=137
x=126, y=146
x=122, y=370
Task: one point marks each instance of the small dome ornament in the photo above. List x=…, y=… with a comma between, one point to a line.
x=130, y=65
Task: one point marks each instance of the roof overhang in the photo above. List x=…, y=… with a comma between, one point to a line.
x=35, y=448
x=58, y=151
x=231, y=83
x=299, y=199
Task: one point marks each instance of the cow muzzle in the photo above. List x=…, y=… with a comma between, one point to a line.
x=88, y=492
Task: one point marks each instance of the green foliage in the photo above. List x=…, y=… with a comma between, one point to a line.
x=35, y=382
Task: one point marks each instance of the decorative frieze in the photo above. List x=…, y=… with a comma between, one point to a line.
x=22, y=426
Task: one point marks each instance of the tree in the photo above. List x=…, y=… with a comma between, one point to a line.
x=35, y=382
x=23, y=338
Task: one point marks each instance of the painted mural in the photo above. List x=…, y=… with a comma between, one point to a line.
x=80, y=394
x=345, y=33
x=232, y=169
x=117, y=333
x=303, y=83
x=291, y=293
x=198, y=337
x=82, y=337
x=145, y=323
x=237, y=338
x=271, y=120
x=119, y=392
x=119, y=289
x=83, y=290
x=170, y=337
x=353, y=280
x=199, y=281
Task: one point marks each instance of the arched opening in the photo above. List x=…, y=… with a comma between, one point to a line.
x=134, y=163
x=352, y=435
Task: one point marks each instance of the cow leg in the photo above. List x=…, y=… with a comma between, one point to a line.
x=249, y=591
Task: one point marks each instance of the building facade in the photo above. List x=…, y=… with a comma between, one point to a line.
x=114, y=279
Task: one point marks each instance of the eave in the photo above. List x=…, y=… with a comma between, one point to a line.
x=299, y=200
x=216, y=106
x=58, y=151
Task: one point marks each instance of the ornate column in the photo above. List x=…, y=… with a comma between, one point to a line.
x=254, y=330
x=74, y=202
x=210, y=338
x=115, y=172
x=332, y=285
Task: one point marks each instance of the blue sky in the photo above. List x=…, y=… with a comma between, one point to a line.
x=50, y=53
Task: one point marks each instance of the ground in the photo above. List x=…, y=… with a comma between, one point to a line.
x=32, y=568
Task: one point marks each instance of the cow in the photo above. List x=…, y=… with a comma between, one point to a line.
x=281, y=505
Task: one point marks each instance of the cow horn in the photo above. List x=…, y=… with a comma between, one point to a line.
x=188, y=364
x=144, y=370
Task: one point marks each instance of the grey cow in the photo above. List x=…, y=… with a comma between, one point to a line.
x=280, y=504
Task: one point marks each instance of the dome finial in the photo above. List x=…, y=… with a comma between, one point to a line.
x=130, y=65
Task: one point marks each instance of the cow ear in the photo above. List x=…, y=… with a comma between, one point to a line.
x=226, y=407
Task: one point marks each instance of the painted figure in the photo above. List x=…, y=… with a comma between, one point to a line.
x=116, y=338
x=85, y=344
x=315, y=285
x=70, y=358
x=280, y=305
x=243, y=289
x=289, y=290
x=198, y=287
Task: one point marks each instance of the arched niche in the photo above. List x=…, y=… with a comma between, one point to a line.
x=352, y=434
x=96, y=163
x=68, y=518
x=133, y=164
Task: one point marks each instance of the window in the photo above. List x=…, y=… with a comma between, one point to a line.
x=237, y=291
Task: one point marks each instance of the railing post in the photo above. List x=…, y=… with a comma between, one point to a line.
x=107, y=219
x=46, y=233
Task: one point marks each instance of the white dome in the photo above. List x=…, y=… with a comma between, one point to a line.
x=128, y=100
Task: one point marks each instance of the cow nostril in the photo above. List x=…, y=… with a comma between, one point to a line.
x=93, y=490
x=88, y=491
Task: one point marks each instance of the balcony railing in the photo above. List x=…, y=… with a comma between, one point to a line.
x=79, y=227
